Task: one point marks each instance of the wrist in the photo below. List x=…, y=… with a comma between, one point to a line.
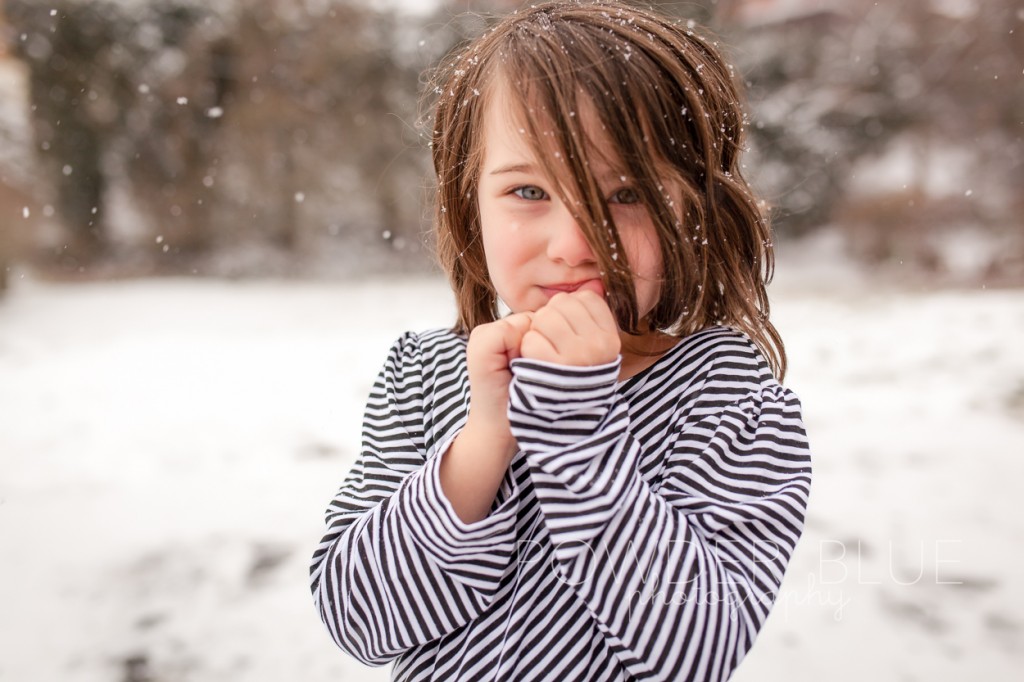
x=488, y=437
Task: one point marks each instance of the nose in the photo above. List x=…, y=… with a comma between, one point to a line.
x=566, y=241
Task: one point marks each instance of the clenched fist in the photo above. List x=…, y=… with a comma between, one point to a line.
x=490, y=349
x=575, y=328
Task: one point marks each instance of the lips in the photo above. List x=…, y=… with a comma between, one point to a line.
x=594, y=285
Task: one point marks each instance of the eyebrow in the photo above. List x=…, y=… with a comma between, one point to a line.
x=514, y=168
x=606, y=176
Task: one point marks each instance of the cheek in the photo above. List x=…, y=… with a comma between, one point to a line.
x=644, y=254
x=488, y=233
x=502, y=239
x=500, y=250
x=645, y=258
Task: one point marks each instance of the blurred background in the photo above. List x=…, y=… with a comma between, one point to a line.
x=214, y=221
x=268, y=136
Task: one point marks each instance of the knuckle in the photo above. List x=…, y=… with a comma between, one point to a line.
x=544, y=314
x=483, y=335
x=531, y=346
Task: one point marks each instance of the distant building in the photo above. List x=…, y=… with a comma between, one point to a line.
x=4, y=28
x=753, y=13
x=495, y=6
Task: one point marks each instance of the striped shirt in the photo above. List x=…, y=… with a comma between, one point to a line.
x=641, y=532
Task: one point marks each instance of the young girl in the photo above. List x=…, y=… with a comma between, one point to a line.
x=607, y=482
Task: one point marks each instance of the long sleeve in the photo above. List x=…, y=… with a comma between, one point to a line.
x=396, y=567
x=678, y=568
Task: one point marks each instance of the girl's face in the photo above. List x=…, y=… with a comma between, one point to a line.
x=533, y=245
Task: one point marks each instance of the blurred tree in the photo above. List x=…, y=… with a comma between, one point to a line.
x=264, y=120
x=291, y=124
x=941, y=81
x=169, y=75
x=832, y=88
x=816, y=109
x=70, y=130
x=20, y=215
x=320, y=125
x=110, y=91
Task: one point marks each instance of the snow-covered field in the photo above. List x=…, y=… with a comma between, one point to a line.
x=167, y=448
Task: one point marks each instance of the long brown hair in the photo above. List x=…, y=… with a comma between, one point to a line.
x=670, y=106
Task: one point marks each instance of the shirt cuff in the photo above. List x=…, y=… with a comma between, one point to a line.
x=437, y=528
x=539, y=386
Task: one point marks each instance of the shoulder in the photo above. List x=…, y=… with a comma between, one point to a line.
x=423, y=352
x=434, y=345
x=725, y=353
x=723, y=366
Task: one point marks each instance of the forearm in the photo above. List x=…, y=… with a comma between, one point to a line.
x=472, y=469
x=708, y=567
x=369, y=569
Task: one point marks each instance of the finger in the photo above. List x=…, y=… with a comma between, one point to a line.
x=595, y=285
x=550, y=321
x=517, y=325
x=574, y=312
x=491, y=346
x=519, y=321
x=598, y=309
x=602, y=336
x=536, y=346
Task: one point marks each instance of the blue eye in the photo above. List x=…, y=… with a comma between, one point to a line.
x=530, y=193
x=626, y=195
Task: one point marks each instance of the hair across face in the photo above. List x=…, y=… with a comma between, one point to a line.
x=531, y=227
x=665, y=110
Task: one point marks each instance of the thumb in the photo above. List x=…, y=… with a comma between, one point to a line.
x=516, y=327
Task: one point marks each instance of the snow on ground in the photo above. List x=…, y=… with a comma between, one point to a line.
x=167, y=449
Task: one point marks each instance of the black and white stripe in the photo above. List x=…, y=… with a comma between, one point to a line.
x=642, y=532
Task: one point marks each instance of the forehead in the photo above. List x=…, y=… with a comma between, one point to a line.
x=519, y=127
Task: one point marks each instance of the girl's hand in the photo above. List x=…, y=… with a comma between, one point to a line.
x=490, y=349
x=575, y=328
